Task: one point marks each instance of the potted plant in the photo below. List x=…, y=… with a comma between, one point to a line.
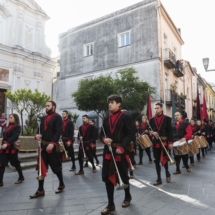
x=173, y=87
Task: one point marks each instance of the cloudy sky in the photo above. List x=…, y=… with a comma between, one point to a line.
x=194, y=17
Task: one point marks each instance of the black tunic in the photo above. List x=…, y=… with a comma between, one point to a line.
x=164, y=129
x=122, y=132
x=51, y=129
x=10, y=136
x=68, y=131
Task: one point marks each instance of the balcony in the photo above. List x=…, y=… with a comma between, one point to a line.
x=169, y=97
x=179, y=70
x=181, y=101
x=169, y=59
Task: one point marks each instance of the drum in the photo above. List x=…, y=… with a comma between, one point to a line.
x=180, y=148
x=193, y=148
x=203, y=141
x=197, y=141
x=144, y=141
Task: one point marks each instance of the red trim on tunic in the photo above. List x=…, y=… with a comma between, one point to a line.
x=163, y=158
x=143, y=126
x=107, y=156
x=117, y=158
x=159, y=120
x=65, y=121
x=44, y=169
x=87, y=148
x=63, y=157
x=113, y=119
x=119, y=147
x=48, y=118
x=84, y=128
x=112, y=178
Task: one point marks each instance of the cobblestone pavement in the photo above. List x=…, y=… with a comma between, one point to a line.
x=188, y=193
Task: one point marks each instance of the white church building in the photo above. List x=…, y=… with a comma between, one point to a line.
x=24, y=57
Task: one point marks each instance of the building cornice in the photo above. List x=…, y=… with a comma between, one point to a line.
x=109, y=16
x=17, y=50
x=38, y=9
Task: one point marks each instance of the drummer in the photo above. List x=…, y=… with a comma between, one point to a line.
x=181, y=132
x=193, y=127
x=200, y=130
x=144, y=128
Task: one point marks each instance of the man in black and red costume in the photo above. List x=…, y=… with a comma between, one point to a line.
x=182, y=131
x=118, y=133
x=67, y=137
x=49, y=133
x=161, y=126
x=88, y=140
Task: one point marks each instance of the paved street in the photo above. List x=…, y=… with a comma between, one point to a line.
x=188, y=193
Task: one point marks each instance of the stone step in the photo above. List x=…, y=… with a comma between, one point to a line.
x=29, y=160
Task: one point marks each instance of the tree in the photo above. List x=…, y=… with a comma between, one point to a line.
x=31, y=102
x=92, y=93
x=19, y=101
x=74, y=116
x=133, y=91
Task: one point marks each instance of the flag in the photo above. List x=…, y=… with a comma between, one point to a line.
x=149, y=107
x=173, y=107
x=204, y=109
x=198, y=106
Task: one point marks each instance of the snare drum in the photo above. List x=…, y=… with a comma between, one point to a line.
x=180, y=148
x=197, y=141
x=203, y=142
x=144, y=141
x=193, y=148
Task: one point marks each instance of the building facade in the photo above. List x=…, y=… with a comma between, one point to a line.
x=24, y=57
x=142, y=36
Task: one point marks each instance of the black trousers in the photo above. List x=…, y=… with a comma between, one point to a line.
x=203, y=153
x=108, y=168
x=89, y=154
x=53, y=160
x=178, y=161
x=11, y=157
x=157, y=154
x=70, y=150
x=147, y=150
x=94, y=155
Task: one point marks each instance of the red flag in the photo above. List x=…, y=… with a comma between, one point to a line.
x=204, y=109
x=198, y=106
x=149, y=107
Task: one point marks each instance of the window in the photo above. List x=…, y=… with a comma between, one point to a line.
x=124, y=39
x=88, y=49
x=4, y=75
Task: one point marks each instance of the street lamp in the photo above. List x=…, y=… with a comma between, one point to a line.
x=205, y=64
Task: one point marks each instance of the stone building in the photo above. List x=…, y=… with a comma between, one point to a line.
x=142, y=36
x=24, y=57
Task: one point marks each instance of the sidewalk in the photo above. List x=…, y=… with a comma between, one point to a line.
x=189, y=193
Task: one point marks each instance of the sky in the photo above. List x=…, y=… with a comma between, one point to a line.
x=195, y=18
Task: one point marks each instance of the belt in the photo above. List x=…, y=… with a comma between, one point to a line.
x=66, y=138
x=45, y=142
x=163, y=138
x=115, y=144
